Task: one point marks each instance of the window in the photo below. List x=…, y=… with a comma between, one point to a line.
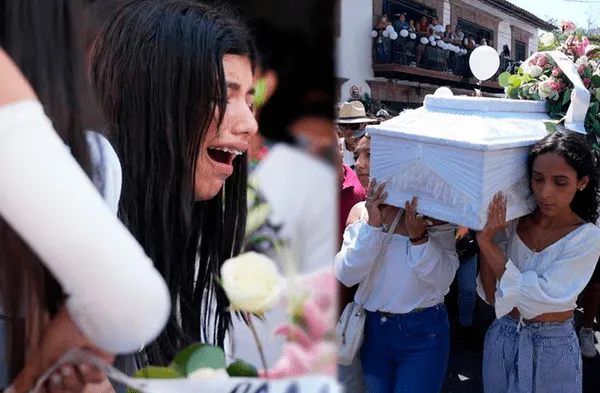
x=520, y=51
x=477, y=31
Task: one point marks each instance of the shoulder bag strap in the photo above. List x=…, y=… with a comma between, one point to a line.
x=366, y=286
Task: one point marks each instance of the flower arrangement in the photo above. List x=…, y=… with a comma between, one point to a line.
x=541, y=79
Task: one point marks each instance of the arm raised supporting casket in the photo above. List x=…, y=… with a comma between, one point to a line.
x=359, y=250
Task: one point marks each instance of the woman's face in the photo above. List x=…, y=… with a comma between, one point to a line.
x=362, y=157
x=221, y=146
x=554, y=184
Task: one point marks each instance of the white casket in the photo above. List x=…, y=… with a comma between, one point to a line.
x=455, y=153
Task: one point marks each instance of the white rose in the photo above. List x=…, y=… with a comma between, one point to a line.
x=547, y=91
x=252, y=282
x=534, y=71
x=209, y=373
x=547, y=39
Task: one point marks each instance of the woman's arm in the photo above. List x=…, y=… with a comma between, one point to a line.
x=435, y=261
x=115, y=295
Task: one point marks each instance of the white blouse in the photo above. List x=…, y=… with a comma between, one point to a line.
x=115, y=295
x=411, y=276
x=546, y=281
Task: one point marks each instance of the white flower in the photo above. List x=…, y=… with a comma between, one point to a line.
x=534, y=71
x=252, y=282
x=582, y=60
x=548, y=90
x=208, y=373
x=547, y=39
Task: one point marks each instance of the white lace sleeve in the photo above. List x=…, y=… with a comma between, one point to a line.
x=115, y=296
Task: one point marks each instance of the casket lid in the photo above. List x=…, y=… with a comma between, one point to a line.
x=473, y=123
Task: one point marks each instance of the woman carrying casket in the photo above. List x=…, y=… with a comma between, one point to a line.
x=533, y=269
x=406, y=343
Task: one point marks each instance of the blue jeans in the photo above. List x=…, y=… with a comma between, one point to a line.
x=467, y=290
x=406, y=353
x=351, y=377
x=531, y=358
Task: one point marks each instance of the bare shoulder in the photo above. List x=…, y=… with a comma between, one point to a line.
x=356, y=213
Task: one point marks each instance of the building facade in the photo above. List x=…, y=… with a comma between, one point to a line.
x=400, y=81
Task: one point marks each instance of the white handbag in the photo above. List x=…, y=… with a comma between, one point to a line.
x=349, y=331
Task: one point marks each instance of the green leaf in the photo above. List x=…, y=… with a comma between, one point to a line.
x=206, y=356
x=181, y=360
x=242, y=369
x=153, y=372
x=551, y=125
x=595, y=124
x=514, y=80
x=503, y=79
x=596, y=79
x=593, y=109
x=567, y=96
x=513, y=92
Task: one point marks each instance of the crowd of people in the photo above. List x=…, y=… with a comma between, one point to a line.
x=531, y=271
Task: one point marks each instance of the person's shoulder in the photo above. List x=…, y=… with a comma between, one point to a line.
x=357, y=212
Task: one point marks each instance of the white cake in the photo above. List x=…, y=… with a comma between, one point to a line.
x=455, y=153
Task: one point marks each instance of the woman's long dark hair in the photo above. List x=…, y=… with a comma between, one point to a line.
x=575, y=150
x=45, y=39
x=157, y=67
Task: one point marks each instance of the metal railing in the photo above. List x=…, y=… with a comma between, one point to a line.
x=411, y=52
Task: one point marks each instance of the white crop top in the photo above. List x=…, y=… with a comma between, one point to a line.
x=546, y=281
x=115, y=295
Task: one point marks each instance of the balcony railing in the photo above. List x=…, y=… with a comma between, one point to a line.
x=406, y=51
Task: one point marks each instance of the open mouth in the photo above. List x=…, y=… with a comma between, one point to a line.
x=223, y=155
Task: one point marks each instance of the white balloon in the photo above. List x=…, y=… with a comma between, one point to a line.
x=413, y=36
x=386, y=33
x=456, y=49
x=433, y=43
x=424, y=41
x=374, y=33
x=484, y=62
x=432, y=38
x=404, y=33
x=393, y=35
x=390, y=28
x=443, y=92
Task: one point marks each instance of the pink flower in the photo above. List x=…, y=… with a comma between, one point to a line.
x=542, y=60
x=581, y=69
x=298, y=361
x=556, y=72
x=293, y=333
x=586, y=82
x=567, y=26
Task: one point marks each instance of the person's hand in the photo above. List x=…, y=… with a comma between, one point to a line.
x=415, y=223
x=496, y=218
x=60, y=336
x=374, y=203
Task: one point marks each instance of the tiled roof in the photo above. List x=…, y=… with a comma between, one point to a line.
x=521, y=13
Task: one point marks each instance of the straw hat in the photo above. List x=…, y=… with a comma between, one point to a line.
x=353, y=113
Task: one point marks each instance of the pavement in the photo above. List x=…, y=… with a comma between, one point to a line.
x=466, y=351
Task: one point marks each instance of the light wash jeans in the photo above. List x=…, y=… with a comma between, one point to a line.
x=467, y=290
x=406, y=353
x=531, y=357
x=351, y=377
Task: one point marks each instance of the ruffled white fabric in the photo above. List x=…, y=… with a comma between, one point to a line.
x=547, y=281
x=410, y=276
x=116, y=297
x=456, y=153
